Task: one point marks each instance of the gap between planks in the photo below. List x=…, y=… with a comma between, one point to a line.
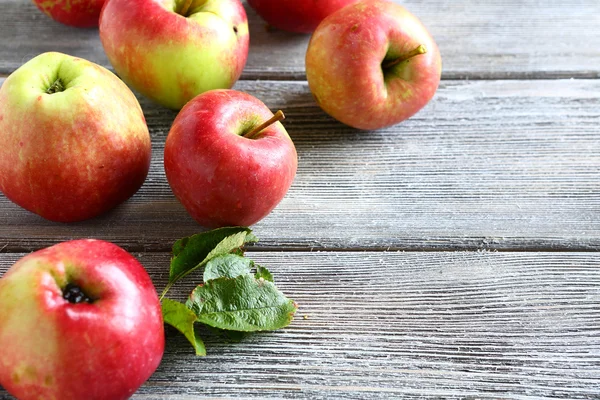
x=6, y=249
x=450, y=76
x=474, y=76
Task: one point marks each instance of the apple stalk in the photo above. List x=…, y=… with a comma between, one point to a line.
x=418, y=51
x=279, y=116
x=185, y=8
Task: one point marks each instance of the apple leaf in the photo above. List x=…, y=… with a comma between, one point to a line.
x=262, y=272
x=193, y=252
x=234, y=300
x=228, y=265
x=242, y=303
x=182, y=318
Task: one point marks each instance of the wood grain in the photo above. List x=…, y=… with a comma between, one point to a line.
x=496, y=39
x=478, y=325
x=504, y=158
x=488, y=164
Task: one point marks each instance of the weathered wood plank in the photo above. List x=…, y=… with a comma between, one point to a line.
x=405, y=325
x=499, y=164
x=493, y=39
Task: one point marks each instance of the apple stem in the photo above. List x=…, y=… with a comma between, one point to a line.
x=186, y=7
x=56, y=87
x=419, y=50
x=277, y=117
x=164, y=292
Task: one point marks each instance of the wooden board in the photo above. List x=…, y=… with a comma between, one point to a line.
x=488, y=164
x=493, y=39
x=477, y=325
x=504, y=158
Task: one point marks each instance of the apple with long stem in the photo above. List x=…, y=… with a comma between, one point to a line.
x=372, y=64
x=228, y=160
x=73, y=138
x=302, y=16
x=173, y=50
x=80, y=14
x=79, y=320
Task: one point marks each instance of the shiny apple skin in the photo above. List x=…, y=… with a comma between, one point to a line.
x=75, y=154
x=221, y=177
x=53, y=349
x=344, y=65
x=171, y=58
x=77, y=13
x=301, y=16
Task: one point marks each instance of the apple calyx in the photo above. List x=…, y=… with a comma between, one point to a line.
x=421, y=49
x=279, y=116
x=73, y=294
x=57, y=86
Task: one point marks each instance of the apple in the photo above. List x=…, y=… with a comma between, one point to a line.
x=228, y=160
x=73, y=138
x=79, y=320
x=372, y=64
x=173, y=50
x=300, y=16
x=78, y=13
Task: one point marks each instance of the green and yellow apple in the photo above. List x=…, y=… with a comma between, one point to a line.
x=372, y=64
x=79, y=320
x=228, y=159
x=173, y=50
x=78, y=13
x=73, y=138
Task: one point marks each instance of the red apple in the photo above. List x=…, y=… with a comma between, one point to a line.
x=222, y=165
x=79, y=320
x=73, y=138
x=301, y=16
x=372, y=64
x=171, y=51
x=78, y=13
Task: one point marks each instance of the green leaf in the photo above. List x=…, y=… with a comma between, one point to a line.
x=250, y=238
x=262, y=272
x=229, y=265
x=193, y=252
x=182, y=318
x=241, y=304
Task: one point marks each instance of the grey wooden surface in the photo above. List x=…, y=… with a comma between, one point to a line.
x=488, y=164
x=404, y=325
x=452, y=256
x=492, y=39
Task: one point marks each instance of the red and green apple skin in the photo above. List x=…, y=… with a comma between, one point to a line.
x=76, y=153
x=221, y=177
x=77, y=13
x=301, y=16
x=345, y=65
x=55, y=349
x=169, y=57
